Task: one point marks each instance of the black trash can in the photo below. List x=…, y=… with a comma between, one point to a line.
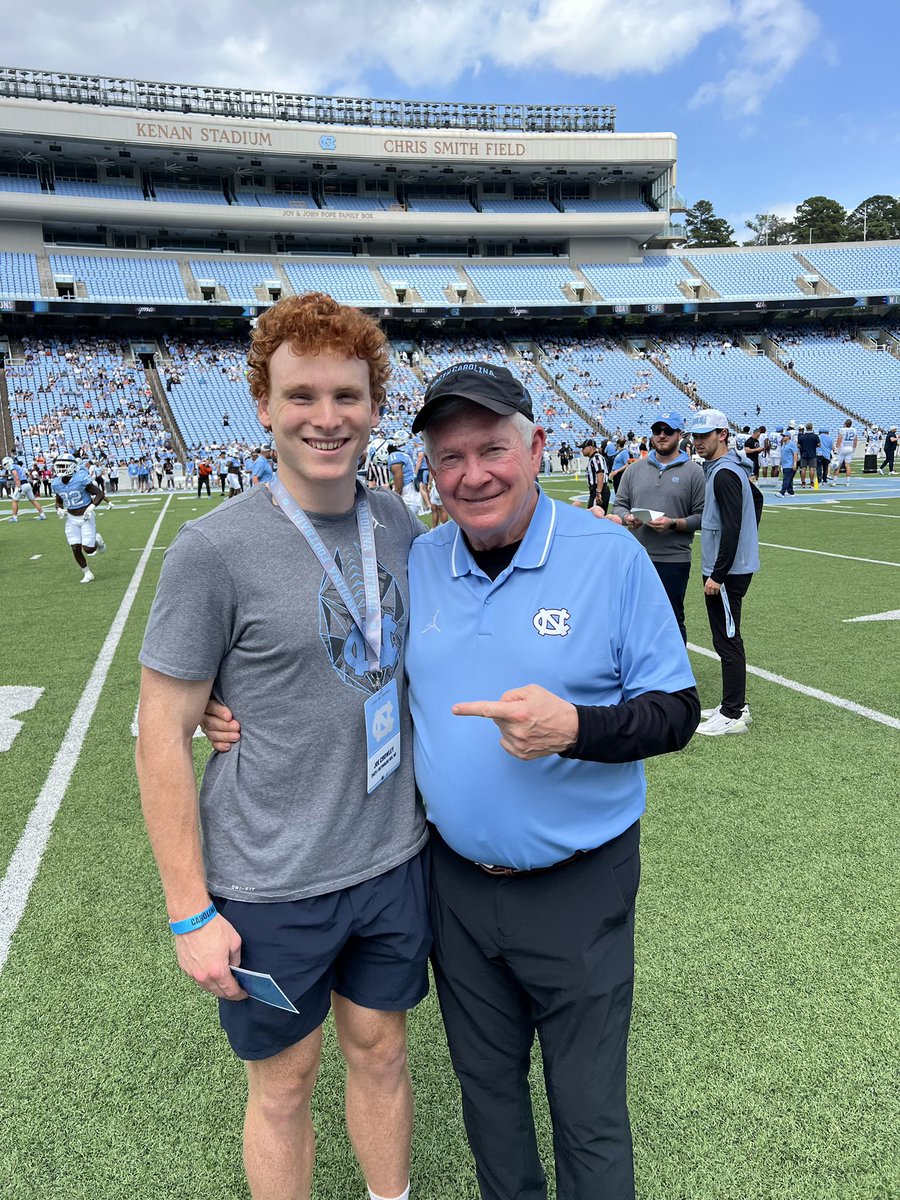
x=870, y=464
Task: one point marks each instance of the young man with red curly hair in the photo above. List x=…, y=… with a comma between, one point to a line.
x=290, y=605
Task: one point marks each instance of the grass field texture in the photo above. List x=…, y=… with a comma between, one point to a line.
x=766, y=1027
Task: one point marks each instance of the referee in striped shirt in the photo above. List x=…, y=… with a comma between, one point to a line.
x=596, y=474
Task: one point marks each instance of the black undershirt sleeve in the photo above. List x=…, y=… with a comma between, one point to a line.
x=654, y=723
x=729, y=497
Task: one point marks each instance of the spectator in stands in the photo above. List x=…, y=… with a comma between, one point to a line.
x=890, y=450
x=807, y=446
x=669, y=481
x=329, y=845
x=729, y=548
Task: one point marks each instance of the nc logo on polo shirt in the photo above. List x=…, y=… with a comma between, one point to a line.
x=552, y=622
x=383, y=721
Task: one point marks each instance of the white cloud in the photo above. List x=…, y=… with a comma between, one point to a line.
x=427, y=45
x=774, y=34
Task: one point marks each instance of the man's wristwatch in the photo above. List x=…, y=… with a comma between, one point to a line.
x=674, y=524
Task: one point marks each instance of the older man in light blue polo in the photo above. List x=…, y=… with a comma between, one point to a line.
x=554, y=629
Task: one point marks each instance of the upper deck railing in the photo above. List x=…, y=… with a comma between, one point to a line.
x=242, y=103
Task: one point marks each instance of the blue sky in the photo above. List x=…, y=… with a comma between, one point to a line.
x=772, y=100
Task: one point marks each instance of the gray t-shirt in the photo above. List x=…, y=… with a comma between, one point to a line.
x=243, y=600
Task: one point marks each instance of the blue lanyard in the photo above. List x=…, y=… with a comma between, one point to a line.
x=370, y=628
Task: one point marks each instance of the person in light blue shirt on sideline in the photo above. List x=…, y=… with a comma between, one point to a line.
x=619, y=463
x=788, y=456
x=824, y=451
x=262, y=470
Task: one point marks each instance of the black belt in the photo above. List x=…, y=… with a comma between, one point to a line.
x=490, y=869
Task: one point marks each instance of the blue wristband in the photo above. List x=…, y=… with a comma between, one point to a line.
x=189, y=924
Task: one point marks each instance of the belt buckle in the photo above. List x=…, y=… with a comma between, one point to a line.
x=493, y=869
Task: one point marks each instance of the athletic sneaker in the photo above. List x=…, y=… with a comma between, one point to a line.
x=706, y=713
x=101, y=545
x=14, y=519
x=41, y=517
x=87, y=577
x=718, y=725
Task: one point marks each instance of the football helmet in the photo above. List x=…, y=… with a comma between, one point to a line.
x=8, y=463
x=65, y=466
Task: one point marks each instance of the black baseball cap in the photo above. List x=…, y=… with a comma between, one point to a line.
x=483, y=383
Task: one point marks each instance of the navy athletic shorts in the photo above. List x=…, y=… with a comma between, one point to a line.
x=369, y=943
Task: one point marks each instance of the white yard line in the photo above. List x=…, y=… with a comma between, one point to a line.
x=871, y=714
x=855, y=512
x=827, y=554
x=26, y=858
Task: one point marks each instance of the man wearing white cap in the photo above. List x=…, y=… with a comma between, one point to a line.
x=729, y=548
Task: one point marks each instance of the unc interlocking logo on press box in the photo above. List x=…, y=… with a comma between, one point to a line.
x=552, y=622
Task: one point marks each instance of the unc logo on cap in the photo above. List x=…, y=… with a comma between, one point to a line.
x=552, y=622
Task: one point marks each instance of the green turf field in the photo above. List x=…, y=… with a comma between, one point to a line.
x=766, y=1026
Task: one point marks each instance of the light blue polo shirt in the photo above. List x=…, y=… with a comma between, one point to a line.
x=580, y=611
x=621, y=460
x=788, y=450
x=262, y=469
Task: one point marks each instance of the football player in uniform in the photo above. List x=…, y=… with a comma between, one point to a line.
x=21, y=489
x=76, y=500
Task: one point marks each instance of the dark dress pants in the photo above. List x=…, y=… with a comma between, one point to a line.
x=730, y=649
x=548, y=953
x=674, y=577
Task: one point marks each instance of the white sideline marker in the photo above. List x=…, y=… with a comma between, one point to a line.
x=885, y=616
x=838, y=701
x=25, y=862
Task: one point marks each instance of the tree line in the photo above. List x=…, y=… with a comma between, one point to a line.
x=817, y=219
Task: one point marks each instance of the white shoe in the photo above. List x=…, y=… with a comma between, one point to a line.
x=13, y=519
x=41, y=517
x=87, y=577
x=706, y=713
x=718, y=725
x=101, y=545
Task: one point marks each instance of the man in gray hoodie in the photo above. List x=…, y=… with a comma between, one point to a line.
x=669, y=483
x=729, y=545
